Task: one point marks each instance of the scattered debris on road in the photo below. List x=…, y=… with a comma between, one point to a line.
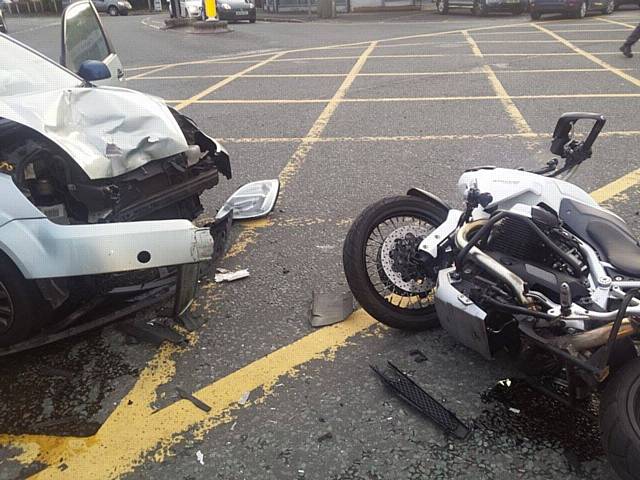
x=200, y=457
x=330, y=308
x=197, y=402
x=153, y=332
x=244, y=398
x=418, y=355
x=224, y=275
x=413, y=394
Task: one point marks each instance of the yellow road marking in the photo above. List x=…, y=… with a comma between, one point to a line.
x=416, y=138
x=124, y=439
x=375, y=74
x=616, y=187
x=628, y=25
x=516, y=116
x=321, y=122
x=503, y=96
x=590, y=56
x=200, y=62
x=224, y=82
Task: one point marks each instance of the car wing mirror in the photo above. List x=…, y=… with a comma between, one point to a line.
x=94, y=70
x=253, y=200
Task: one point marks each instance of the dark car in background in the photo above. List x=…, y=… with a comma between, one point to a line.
x=236, y=10
x=619, y=3
x=3, y=26
x=113, y=7
x=570, y=8
x=483, y=7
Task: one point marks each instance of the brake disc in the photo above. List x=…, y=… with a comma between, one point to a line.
x=389, y=244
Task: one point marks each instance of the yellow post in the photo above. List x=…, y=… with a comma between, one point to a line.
x=210, y=9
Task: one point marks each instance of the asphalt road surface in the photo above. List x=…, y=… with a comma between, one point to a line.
x=344, y=112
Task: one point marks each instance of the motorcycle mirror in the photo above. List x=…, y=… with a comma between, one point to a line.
x=253, y=200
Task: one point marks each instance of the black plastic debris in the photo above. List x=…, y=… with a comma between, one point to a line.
x=413, y=394
x=183, y=394
x=330, y=308
x=154, y=333
x=191, y=321
x=418, y=356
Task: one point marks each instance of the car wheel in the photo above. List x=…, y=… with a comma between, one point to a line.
x=23, y=311
x=252, y=20
x=535, y=16
x=608, y=10
x=479, y=8
x=113, y=11
x=442, y=6
x=582, y=11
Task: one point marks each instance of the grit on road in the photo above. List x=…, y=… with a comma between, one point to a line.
x=344, y=112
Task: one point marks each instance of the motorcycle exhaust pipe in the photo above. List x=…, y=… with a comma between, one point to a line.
x=594, y=338
x=515, y=283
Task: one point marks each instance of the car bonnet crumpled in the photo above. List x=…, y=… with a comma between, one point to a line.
x=107, y=131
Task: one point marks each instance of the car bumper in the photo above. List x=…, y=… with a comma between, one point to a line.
x=554, y=7
x=42, y=249
x=234, y=15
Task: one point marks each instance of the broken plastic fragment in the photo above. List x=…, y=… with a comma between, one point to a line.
x=231, y=276
x=244, y=398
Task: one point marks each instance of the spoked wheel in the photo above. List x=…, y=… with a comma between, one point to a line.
x=113, y=11
x=582, y=11
x=620, y=420
x=381, y=264
x=608, y=10
x=479, y=8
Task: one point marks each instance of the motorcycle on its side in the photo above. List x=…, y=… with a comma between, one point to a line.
x=531, y=265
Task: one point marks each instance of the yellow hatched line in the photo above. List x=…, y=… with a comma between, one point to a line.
x=516, y=116
x=590, y=56
x=628, y=25
x=318, y=127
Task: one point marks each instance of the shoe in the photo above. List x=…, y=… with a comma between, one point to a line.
x=626, y=51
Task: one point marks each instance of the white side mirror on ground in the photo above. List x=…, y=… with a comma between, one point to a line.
x=253, y=200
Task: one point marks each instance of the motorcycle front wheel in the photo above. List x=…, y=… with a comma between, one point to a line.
x=620, y=420
x=380, y=262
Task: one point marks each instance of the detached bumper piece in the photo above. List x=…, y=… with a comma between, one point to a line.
x=413, y=394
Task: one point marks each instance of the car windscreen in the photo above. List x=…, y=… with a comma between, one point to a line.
x=24, y=71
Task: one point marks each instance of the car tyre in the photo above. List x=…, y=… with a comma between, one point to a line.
x=442, y=6
x=23, y=310
x=113, y=11
x=479, y=8
x=581, y=12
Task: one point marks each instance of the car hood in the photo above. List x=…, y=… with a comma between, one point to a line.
x=107, y=131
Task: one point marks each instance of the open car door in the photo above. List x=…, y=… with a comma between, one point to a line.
x=84, y=39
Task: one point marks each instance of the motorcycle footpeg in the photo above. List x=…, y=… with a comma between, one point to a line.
x=413, y=394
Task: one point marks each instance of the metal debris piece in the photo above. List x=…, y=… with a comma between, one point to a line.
x=231, y=276
x=191, y=321
x=330, y=308
x=325, y=436
x=197, y=402
x=413, y=394
x=418, y=356
x=244, y=398
x=154, y=333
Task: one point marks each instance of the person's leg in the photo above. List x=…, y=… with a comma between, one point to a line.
x=633, y=38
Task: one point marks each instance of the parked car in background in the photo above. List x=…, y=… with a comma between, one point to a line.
x=235, y=10
x=570, y=8
x=619, y=3
x=483, y=7
x=113, y=7
x=189, y=8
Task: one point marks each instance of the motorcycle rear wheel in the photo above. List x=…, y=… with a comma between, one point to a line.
x=620, y=420
x=369, y=263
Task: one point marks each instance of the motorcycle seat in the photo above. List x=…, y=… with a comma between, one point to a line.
x=608, y=234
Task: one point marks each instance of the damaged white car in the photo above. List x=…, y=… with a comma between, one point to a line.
x=99, y=186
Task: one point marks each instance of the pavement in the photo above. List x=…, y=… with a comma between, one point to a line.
x=344, y=113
